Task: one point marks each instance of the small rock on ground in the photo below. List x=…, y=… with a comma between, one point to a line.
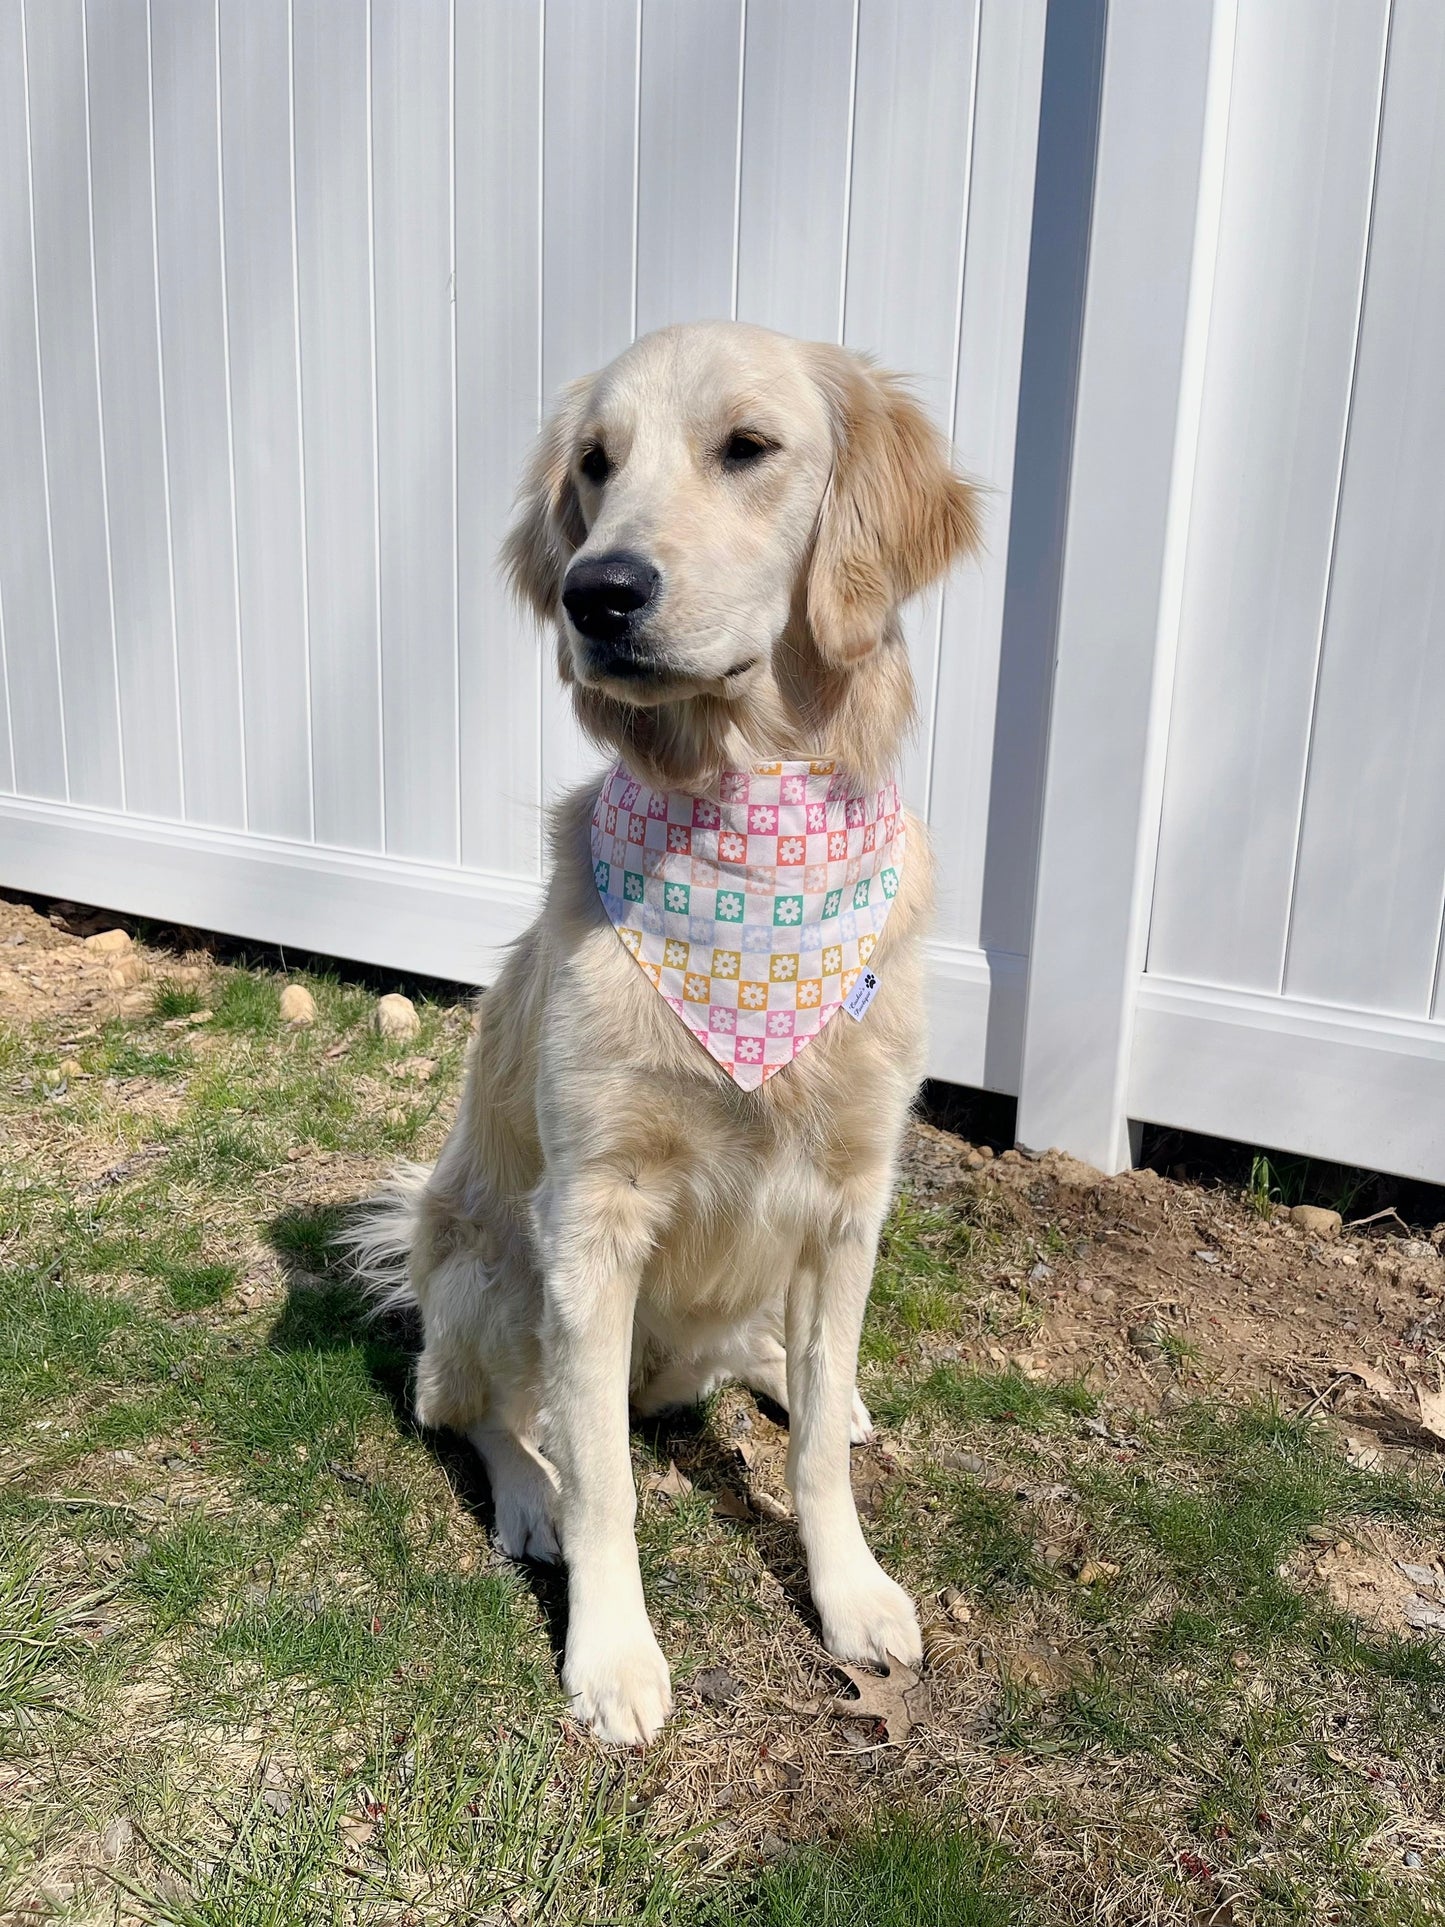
x=108, y=942
x=396, y=1016
x=298, y=1006
x=1315, y=1220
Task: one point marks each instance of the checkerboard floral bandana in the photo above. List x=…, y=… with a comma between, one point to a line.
x=754, y=914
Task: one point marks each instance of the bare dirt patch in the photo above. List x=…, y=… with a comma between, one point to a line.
x=1147, y=1286
x=72, y=965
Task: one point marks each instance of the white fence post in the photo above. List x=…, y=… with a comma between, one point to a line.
x=1158, y=169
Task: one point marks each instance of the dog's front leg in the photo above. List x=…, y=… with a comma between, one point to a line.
x=865, y=1616
x=595, y=1237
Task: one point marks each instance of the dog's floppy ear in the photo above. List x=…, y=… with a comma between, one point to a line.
x=895, y=514
x=548, y=528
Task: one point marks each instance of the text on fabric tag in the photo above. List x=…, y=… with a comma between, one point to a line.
x=861, y=995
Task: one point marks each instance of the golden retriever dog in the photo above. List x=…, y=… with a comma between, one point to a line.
x=720, y=528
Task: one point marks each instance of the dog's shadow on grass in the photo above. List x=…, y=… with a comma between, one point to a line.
x=327, y=1312
x=688, y=1437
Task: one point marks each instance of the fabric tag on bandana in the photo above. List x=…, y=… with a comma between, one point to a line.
x=753, y=913
x=861, y=995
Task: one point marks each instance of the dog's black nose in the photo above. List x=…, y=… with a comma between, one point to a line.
x=605, y=594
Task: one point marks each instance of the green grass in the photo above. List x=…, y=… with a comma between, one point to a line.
x=459, y=1834
x=969, y=1398
x=904, y=1871
x=32, y=1642
x=171, y=1000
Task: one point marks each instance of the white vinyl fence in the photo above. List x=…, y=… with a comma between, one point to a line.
x=285, y=284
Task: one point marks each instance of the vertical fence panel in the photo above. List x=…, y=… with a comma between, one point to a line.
x=1001, y=192
x=130, y=384
x=912, y=134
x=792, y=228
x=261, y=317
x=1286, y=302
x=589, y=265
x=333, y=264
x=70, y=394
x=498, y=188
x=196, y=407
x=1007, y=792
x=411, y=158
x=32, y=671
x=1161, y=121
x=1371, y=876
x=687, y=166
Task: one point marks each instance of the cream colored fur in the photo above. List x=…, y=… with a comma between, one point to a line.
x=611, y=1216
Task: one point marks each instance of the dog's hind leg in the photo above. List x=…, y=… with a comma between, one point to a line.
x=754, y=1357
x=759, y=1361
x=524, y=1493
x=679, y=1383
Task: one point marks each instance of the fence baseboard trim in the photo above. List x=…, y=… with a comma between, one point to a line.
x=1242, y=1065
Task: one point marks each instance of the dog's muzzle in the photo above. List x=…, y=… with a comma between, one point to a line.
x=607, y=598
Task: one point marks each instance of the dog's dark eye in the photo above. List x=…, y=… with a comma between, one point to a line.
x=742, y=449
x=595, y=465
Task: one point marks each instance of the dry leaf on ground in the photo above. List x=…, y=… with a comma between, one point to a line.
x=897, y=1699
x=672, y=1484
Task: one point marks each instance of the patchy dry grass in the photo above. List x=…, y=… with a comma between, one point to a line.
x=259, y=1666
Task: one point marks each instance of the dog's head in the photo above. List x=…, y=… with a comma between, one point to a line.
x=722, y=525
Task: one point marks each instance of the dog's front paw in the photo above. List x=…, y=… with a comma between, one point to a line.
x=618, y=1684
x=867, y=1617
